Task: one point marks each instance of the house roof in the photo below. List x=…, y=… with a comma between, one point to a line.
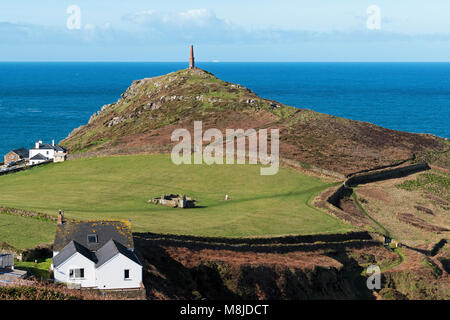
x=39, y=157
x=59, y=148
x=48, y=146
x=117, y=230
x=111, y=249
x=22, y=152
x=69, y=250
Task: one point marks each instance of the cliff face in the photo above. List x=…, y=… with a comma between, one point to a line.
x=143, y=119
x=195, y=268
x=182, y=272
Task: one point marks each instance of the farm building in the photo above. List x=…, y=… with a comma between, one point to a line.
x=17, y=155
x=96, y=254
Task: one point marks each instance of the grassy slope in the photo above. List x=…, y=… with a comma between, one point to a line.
x=21, y=232
x=118, y=187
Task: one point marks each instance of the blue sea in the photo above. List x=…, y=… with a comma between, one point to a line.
x=47, y=100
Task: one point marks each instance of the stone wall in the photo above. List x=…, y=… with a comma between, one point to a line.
x=380, y=167
x=136, y=294
x=345, y=190
x=340, y=193
x=26, y=213
x=386, y=174
x=13, y=170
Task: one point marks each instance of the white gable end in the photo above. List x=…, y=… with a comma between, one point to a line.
x=112, y=274
x=77, y=261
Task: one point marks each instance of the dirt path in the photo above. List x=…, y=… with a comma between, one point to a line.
x=384, y=231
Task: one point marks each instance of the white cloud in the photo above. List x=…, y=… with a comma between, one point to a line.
x=204, y=27
x=189, y=18
x=199, y=26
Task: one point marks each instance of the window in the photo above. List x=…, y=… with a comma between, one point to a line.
x=76, y=273
x=92, y=238
x=127, y=274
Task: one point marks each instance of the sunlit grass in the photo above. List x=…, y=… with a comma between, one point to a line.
x=119, y=187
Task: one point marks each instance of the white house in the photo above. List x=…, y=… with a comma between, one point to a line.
x=39, y=158
x=96, y=254
x=75, y=265
x=45, y=152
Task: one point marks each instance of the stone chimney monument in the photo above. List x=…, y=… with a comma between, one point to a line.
x=191, y=59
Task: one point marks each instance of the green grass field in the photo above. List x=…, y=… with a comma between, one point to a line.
x=21, y=232
x=119, y=187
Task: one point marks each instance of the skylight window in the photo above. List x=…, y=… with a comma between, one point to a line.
x=92, y=238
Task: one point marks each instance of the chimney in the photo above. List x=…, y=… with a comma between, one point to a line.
x=60, y=217
x=53, y=142
x=36, y=145
x=191, y=59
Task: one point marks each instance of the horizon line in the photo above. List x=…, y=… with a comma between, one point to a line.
x=209, y=61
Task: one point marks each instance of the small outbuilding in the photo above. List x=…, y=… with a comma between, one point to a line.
x=6, y=261
x=8, y=275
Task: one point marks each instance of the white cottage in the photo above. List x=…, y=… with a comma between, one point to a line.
x=45, y=152
x=96, y=254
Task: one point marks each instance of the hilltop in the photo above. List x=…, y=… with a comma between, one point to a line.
x=144, y=117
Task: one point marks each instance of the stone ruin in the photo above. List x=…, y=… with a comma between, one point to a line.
x=174, y=201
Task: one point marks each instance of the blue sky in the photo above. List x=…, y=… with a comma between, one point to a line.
x=283, y=30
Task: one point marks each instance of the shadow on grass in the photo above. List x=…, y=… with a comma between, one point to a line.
x=36, y=272
x=434, y=251
x=37, y=269
x=355, y=239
